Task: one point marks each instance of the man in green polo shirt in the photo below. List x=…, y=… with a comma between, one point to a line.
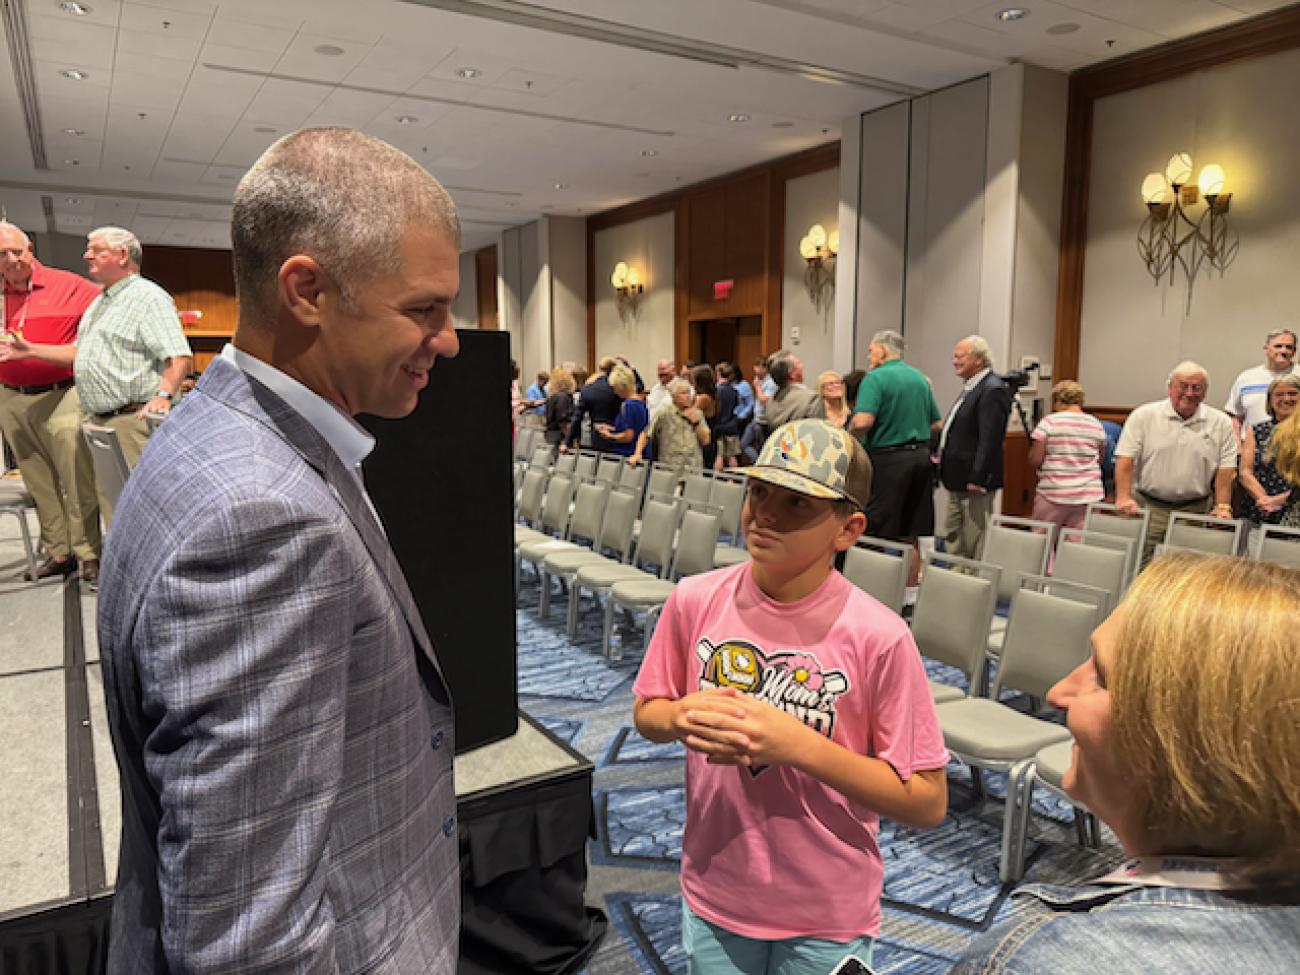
x=894, y=416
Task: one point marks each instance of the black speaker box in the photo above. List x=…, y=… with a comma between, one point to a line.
x=441, y=482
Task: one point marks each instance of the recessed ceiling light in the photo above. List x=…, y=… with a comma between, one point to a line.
x=407, y=119
x=468, y=73
x=783, y=125
x=561, y=186
x=74, y=131
x=1012, y=13
x=75, y=8
x=74, y=200
x=1062, y=28
x=74, y=74
x=265, y=129
x=329, y=50
x=649, y=152
x=738, y=117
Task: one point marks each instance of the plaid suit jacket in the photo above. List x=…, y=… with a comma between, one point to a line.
x=281, y=725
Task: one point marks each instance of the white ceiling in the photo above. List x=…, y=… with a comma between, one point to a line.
x=182, y=95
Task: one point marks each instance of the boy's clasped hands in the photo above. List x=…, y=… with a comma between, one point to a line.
x=732, y=728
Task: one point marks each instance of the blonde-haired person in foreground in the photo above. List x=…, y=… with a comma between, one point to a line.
x=1186, y=722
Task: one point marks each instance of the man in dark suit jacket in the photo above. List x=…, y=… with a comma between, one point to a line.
x=278, y=714
x=598, y=402
x=970, y=446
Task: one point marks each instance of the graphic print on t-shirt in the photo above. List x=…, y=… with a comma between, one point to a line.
x=793, y=681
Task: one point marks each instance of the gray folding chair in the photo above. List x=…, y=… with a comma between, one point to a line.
x=728, y=493
x=1047, y=768
x=613, y=547
x=697, y=487
x=1106, y=518
x=1278, y=544
x=585, y=468
x=541, y=456
x=633, y=476
x=15, y=500
x=552, y=523
x=1097, y=565
x=1203, y=533
x=111, y=468
x=951, y=619
x=532, y=492
x=1016, y=545
x=566, y=463
x=879, y=567
x=524, y=442
x=609, y=468
x=585, y=523
x=662, y=480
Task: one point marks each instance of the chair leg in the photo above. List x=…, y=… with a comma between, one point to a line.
x=606, y=641
x=1015, y=823
x=976, y=784
x=651, y=619
x=544, y=604
x=575, y=591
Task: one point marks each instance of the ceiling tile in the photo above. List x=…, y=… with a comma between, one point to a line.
x=141, y=18
x=302, y=60
x=530, y=82
x=354, y=107
x=85, y=53
x=249, y=34
x=243, y=58
x=74, y=33
x=145, y=94
x=167, y=70
x=179, y=172
x=159, y=45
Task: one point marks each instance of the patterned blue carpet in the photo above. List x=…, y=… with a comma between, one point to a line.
x=941, y=885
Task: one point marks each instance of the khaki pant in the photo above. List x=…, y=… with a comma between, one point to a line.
x=132, y=434
x=1160, y=519
x=44, y=432
x=966, y=520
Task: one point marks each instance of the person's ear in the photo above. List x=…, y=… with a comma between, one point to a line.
x=303, y=285
x=853, y=529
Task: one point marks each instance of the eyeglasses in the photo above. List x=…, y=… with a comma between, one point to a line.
x=1190, y=387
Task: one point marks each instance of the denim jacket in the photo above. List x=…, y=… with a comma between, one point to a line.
x=1137, y=930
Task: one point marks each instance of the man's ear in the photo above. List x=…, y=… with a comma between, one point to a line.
x=302, y=285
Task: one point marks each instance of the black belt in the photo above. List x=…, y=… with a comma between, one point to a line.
x=910, y=445
x=120, y=411
x=37, y=390
x=1174, y=504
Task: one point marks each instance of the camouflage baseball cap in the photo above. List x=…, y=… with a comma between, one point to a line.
x=816, y=458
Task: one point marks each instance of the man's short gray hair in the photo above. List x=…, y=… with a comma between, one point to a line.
x=6, y=225
x=979, y=347
x=679, y=384
x=1277, y=333
x=338, y=196
x=1188, y=368
x=890, y=341
x=120, y=239
x=780, y=366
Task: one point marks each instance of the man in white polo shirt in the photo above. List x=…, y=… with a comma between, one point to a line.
x=1176, y=454
x=1248, y=401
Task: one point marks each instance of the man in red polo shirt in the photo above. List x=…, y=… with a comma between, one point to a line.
x=39, y=411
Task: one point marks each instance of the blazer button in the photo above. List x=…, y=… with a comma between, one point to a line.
x=436, y=740
x=449, y=826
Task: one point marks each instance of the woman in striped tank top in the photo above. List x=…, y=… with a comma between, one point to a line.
x=1067, y=447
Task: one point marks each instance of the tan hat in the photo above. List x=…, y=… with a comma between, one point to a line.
x=816, y=458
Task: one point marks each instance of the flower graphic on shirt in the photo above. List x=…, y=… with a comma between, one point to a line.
x=805, y=670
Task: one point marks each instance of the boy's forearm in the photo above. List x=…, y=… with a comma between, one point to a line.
x=654, y=720
x=921, y=801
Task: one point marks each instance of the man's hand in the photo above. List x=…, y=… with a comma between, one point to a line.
x=634, y=459
x=159, y=405
x=694, y=414
x=14, y=348
x=1223, y=511
x=1273, y=502
x=564, y=448
x=1127, y=507
x=976, y=489
x=604, y=429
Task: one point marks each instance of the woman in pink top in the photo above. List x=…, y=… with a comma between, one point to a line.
x=1067, y=447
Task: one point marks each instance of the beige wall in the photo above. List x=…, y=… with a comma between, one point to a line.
x=566, y=257
x=1241, y=116
x=464, y=310
x=646, y=336
x=808, y=200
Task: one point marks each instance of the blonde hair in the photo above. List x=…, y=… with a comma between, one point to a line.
x=622, y=379
x=1068, y=393
x=1205, y=688
x=1284, y=448
x=562, y=380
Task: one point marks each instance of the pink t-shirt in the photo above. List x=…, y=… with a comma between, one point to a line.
x=772, y=853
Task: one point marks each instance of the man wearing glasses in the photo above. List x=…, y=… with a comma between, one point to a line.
x=1176, y=454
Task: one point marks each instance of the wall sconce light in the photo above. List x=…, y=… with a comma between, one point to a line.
x=1174, y=234
x=819, y=250
x=629, y=288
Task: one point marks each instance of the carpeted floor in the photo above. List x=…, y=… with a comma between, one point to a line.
x=941, y=885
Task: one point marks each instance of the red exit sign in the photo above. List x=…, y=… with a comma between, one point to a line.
x=722, y=289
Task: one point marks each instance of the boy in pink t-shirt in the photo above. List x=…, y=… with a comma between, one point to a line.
x=806, y=713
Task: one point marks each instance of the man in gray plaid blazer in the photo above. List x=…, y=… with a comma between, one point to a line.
x=278, y=714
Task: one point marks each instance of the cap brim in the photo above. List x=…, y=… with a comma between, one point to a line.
x=794, y=482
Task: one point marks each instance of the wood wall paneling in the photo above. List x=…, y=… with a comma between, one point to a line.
x=485, y=278
x=1257, y=37
x=199, y=280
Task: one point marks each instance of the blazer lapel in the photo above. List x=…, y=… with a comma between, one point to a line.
x=241, y=392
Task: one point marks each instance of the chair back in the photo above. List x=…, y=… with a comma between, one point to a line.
x=566, y=463
x=541, y=456
x=111, y=468
x=1048, y=634
x=557, y=504
x=662, y=480
x=728, y=493
x=616, y=529
x=879, y=567
x=953, y=613
x=633, y=477
x=523, y=446
x=588, y=511
x=609, y=468
x=585, y=467
x=697, y=487
x=531, y=493
x=1107, y=519
x=1279, y=544
x=1203, y=533
x=1098, y=565
x=659, y=519
x=1016, y=545
x=697, y=539
x=1131, y=547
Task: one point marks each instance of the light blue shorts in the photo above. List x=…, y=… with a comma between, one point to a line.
x=713, y=951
